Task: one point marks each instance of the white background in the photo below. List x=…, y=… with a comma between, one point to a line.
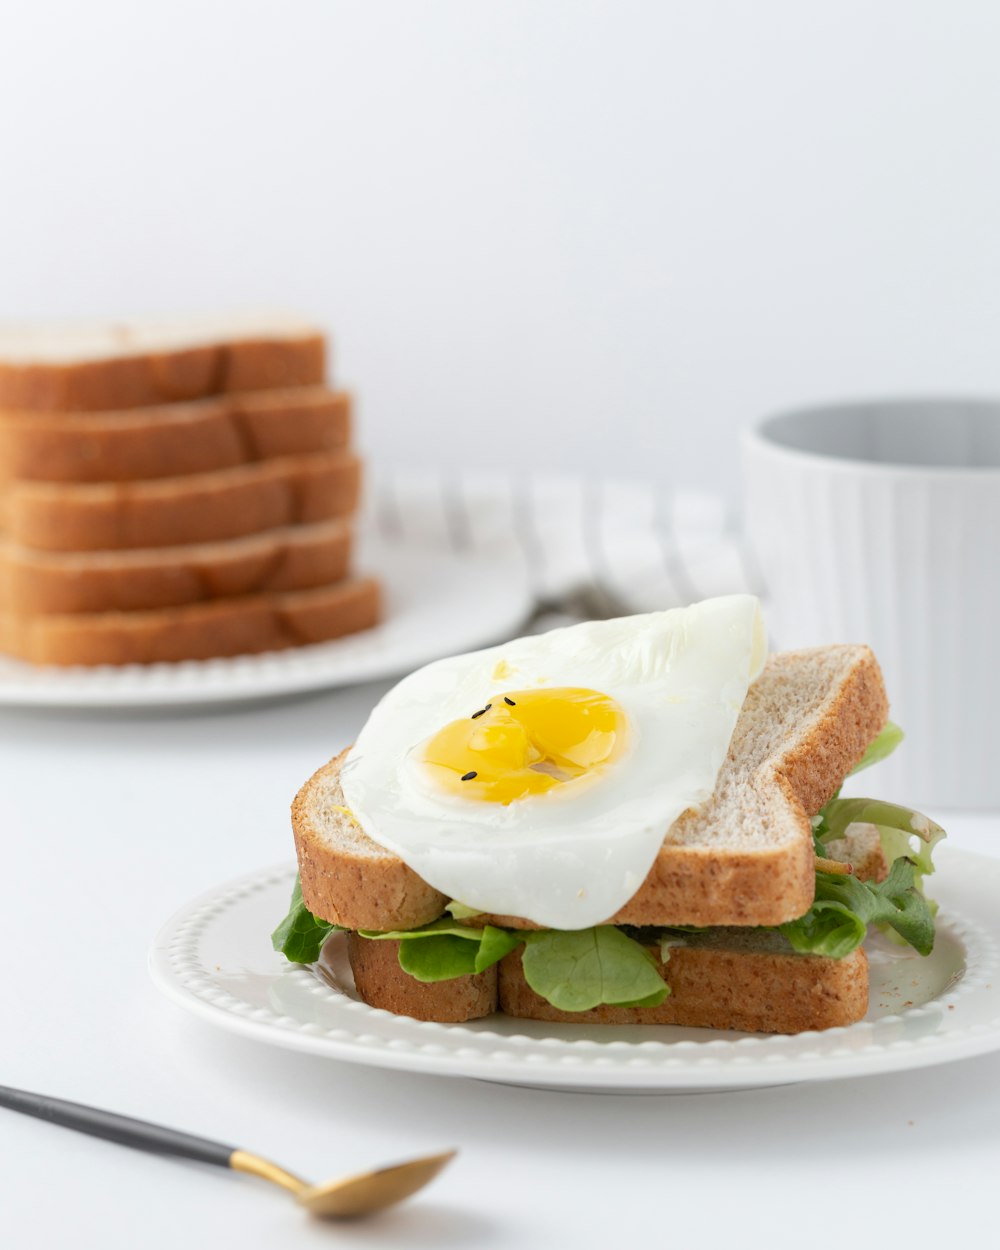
x=596, y=236
x=564, y=235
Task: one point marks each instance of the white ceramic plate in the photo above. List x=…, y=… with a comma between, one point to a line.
x=215, y=959
x=438, y=602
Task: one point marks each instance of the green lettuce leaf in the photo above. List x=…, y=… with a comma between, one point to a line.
x=438, y=958
x=883, y=746
x=495, y=944
x=437, y=928
x=447, y=948
x=828, y=928
x=895, y=902
x=301, y=935
x=578, y=970
x=898, y=828
x=438, y=951
x=844, y=907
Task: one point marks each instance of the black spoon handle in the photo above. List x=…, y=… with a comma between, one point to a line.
x=117, y=1128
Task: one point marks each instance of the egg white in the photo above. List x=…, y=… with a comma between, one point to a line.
x=563, y=860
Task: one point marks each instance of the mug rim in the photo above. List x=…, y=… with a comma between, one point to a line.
x=757, y=435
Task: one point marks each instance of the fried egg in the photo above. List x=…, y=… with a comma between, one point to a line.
x=538, y=778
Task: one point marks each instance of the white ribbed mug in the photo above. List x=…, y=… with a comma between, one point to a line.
x=879, y=522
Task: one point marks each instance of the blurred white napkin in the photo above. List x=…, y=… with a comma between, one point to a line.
x=647, y=548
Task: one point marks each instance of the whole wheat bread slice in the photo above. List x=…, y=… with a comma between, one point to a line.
x=172, y=439
x=38, y=583
x=726, y=980
x=746, y=858
x=225, y=627
x=66, y=368
x=381, y=982
x=170, y=512
x=730, y=980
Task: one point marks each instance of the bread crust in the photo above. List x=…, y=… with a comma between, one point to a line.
x=53, y=583
x=171, y=512
x=768, y=888
x=173, y=439
x=714, y=987
x=355, y=884
x=254, y=363
x=692, y=881
x=239, y=626
x=381, y=982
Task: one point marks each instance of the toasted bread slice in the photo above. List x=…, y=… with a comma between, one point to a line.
x=723, y=980
x=199, y=631
x=381, y=982
x=170, y=512
x=298, y=557
x=745, y=858
x=68, y=368
x=346, y=877
x=172, y=439
x=726, y=979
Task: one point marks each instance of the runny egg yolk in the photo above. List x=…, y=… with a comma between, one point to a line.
x=526, y=742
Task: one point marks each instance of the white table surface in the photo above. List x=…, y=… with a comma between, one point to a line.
x=112, y=822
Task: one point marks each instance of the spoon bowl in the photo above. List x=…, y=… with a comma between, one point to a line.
x=348, y=1196
x=368, y=1192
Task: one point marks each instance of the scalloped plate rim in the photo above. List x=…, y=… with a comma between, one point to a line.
x=377, y=1038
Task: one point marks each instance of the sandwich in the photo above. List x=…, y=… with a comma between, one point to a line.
x=619, y=822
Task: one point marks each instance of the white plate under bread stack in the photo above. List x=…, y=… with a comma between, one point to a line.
x=174, y=492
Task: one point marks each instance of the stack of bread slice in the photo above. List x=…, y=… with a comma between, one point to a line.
x=174, y=491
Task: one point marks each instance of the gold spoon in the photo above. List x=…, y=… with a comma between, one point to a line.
x=362, y=1194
